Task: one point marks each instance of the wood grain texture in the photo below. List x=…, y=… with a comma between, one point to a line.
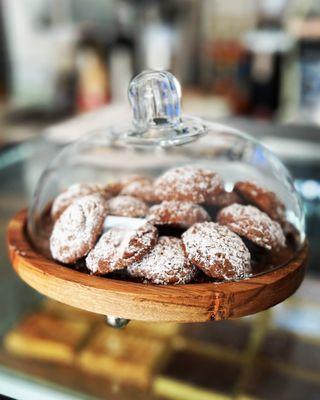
x=183, y=303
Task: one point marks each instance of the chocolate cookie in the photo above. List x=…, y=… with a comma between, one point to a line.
x=119, y=247
x=262, y=198
x=77, y=229
x=253, y=224
x=113, y=188
x=188, y=184
x=217, y=251
x=128, y=179
x=127, y=206
x=182, y=214
x=141, y=189
x=64, y=199
x=224, y=199
x=165, y=264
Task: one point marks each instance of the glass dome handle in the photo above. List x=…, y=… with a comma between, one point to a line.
x=155, y=100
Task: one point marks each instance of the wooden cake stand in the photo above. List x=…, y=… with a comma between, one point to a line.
x=197, y=302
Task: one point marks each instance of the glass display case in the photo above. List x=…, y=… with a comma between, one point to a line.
x=278, y=346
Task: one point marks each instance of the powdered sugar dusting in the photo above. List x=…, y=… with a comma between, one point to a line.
x=127, y=206
x=64, y=199
x=141, y=189
x=216, y=250
x=181, y=213
x=165, y=264
x=119, y=247
x=77, y=229
x=187, y=184
x=261, y=197
x=254, y=224
x=106, y=256
x=224, y=199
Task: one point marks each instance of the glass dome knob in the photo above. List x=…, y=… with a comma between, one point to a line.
x=155, y=99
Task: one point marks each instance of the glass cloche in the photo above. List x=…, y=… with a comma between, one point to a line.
x=230, y=182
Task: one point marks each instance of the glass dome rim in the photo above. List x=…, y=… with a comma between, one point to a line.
x=211, y=126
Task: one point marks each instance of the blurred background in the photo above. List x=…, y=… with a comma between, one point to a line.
x=251, y=58
x=64, y=70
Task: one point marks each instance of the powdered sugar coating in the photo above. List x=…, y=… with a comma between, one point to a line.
x=127, y=206
x=255, y=225
x=217, y=251
x=214, y=182
x=77, y=229
x=224, y=199
x=119, y=247
x=262, y=198
x=188, y=184
x=179, y=213
x=64, y=199
x=165, y=264
x=141, y=189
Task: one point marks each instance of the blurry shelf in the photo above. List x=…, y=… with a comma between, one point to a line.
x=293, y=149
x=20, y=387
x=24, y=379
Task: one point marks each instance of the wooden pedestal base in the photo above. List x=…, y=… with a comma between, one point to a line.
x=183, y=303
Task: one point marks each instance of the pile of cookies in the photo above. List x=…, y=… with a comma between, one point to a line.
x=180, y=228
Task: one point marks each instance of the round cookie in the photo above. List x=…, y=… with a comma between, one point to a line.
x=119, y=247
x=141, y=189
x=77, y=229
x=182, y=214
x=127, y=206
x=253, y=224
x=128, y=179
x=224, y=199
x=165, y=264
x=217, y=251
x=188, y=184
x=64, y=199
x=260, y=197
x=113, y=188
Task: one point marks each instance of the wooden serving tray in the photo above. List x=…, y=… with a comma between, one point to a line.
x=196, y=302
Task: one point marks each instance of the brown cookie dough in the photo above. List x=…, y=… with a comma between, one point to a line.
x=119, y=247
x=64, y=199
x=165, y=264
x=253, y=224
x=262, y=198
x=224, y=199
x=77, y=229
x=113, y=188
x=182, y=214
x=217, y=251
x=188, y=184
x=141, y=189
x=127, y=179
x=127, y=206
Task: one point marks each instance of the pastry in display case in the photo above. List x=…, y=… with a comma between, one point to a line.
x=47, y=337
x=78, y=349
x=169, y=218
x=124, y=357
